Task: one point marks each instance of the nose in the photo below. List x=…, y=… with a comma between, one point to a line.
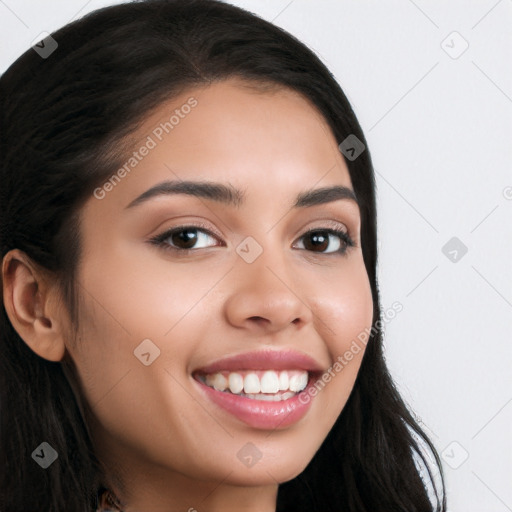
x=266, y=296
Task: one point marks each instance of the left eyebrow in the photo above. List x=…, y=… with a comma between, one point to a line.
x=232, y=196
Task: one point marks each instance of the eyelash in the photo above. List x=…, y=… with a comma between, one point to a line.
x=160, y=240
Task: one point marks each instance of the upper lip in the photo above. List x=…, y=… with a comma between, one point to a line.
x=264, y=360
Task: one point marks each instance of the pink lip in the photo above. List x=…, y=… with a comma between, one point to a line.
x=264, y=360
x=261, y=414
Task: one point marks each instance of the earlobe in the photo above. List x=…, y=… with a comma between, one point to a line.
x=31, y=305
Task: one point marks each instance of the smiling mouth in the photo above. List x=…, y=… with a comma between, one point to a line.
x=267, y=385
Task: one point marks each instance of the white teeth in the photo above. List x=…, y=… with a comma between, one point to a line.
x=269, y=382
x=259, y=384
x=298, y=382
x=251, y=383
x=217, y=381
x=283, y=381
x=304, y=379
x=271, y=398
x=236, y=382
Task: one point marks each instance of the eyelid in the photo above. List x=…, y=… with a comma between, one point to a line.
x=200, y=225
x=326, y=223
x=319, y=224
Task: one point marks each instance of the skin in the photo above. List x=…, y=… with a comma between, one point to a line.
x=164, y=446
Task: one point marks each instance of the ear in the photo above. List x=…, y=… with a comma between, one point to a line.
x=33, y=305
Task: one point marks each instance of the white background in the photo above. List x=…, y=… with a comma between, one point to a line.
x=440, y=133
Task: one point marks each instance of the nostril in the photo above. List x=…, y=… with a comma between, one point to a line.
x=258, y=319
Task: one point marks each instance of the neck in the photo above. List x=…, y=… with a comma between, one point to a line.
x=179, y=495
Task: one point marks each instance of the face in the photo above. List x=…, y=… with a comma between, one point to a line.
x=172, y=283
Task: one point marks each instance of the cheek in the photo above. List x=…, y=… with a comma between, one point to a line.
x=122, y=391
x=343, y=312
x=344, y=306
x=124, y=302
x=144, y=293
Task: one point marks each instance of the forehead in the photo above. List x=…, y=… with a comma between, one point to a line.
x=259, y=140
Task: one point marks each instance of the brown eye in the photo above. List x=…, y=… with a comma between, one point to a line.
x=185, y=238
x=319, y=240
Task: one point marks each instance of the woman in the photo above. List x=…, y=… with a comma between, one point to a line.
x=191, y=318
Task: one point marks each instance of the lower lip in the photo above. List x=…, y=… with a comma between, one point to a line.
x=259, y=413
